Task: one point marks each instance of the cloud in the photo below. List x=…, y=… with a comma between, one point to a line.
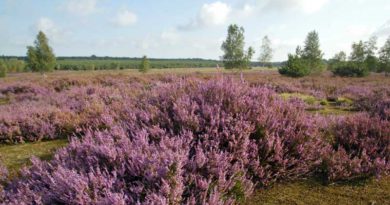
x=47, y=26
x=147, y=43
x=170, y=36
x=212, y=14
x=219, y=13
x=384, y=30
x=125, y=18
x=358, y=32
x=246, y=10
x=81, y=7
x=310, y=6
x=305, y=6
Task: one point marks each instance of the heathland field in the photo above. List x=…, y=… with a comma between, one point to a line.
x=194, y=136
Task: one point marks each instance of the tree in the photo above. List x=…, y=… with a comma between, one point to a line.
x=357, y=65
x=384, y=56
x=358, y=53
x=248, y=57
x=144, y=66
x=3, y=69
x=295, y=66
x=311, y=52
x=266, y=52
x=370, y=46
x=340, y=56
x=40, y=57
x=337, y=59
x=233, y=47
x=298, y=51
x=370, y=50
x=351, y=69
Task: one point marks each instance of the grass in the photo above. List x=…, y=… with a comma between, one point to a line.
x=16, y=156
x=371, y=191
x=4, y=101
x=310, y=100
x=28, y=76
x=342, y=106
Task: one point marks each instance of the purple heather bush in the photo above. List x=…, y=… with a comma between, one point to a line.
x=360, y=148
x=55, y=115
x=376, y=101
x=24, y=92
x=182, y=141
x=3, y=179
x=189, y=142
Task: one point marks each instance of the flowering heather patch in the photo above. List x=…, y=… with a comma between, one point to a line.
x=183, y=141
x=189, y=142
x=50, y=114
x=361, y=148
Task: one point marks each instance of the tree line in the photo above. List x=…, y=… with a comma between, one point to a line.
x=309, y=58
x=365, y=57
x=41, y=58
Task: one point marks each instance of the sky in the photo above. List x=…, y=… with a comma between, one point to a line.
x=187, y=28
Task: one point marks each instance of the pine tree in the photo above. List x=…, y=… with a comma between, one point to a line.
x=144, y=66
x=40, y=57
x=295, y=66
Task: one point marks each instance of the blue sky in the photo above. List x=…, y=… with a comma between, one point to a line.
x=187, y=28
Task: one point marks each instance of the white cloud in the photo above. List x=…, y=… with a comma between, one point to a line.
x=212, y=14
x=47, y=26
x=81, y=7
x=384, y=30
x=358, y=32
x=305, y=6
x=170, y=36
x=125, y=18
x=246, y=10
x=311, y=6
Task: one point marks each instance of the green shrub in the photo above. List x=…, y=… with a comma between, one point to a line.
x=372, y=63
x=3, y=69
x=324, y=102
x=295, y=67
x=3, y=73
x=351, y=69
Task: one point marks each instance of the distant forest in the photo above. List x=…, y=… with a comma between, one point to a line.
x=18, y=63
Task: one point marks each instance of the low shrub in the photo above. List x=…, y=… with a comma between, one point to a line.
x=295, y=67
x=350, y=69
x=360, y=148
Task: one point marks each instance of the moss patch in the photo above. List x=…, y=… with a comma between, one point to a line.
x=16, y=156
x=312, y=192
x=340, y=106
x=4, y=101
